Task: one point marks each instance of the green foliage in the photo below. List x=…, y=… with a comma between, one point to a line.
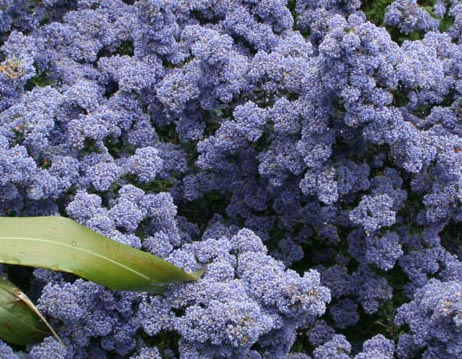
x=202, y=210
x=39, y=80
x=90, y=146
x=168, y=133
x=125, y=48
x=446, y=21
x=164, y=339
x=61, y=244
x=400, y=97
x=375, y=10
x=375, y=13
x=117, y=147
x=156, y=186
x=451, y=238
x=20, y=321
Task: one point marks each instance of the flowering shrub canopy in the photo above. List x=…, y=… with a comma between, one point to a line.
x=308, y=152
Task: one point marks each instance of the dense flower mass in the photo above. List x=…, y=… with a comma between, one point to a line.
x=307, y=154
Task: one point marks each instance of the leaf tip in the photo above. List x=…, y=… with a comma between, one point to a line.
x=197, y=274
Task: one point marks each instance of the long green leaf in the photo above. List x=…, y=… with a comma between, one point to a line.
x=61, y=244
x=20, y=321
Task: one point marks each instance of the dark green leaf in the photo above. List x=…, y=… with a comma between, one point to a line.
x=20, y=321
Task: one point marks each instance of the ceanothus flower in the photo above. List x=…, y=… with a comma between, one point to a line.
x=240, y=23
x=383, y=251
x=424, y=68
x=179, y=87
x=408, y=16
x=33, y=120
x=377, y=347
x=6, y=352
x=128, y=211
x=246, y=127
x=455, y=11
x=338, y=347
x=66, y=171
x=235, y=323
x=95, y=29
x=440, y=8
x=370, y=289
x=224, y=313
x=344, y=313
x=129, y=73
x=84, y=94
x=16, y=166
x=420, y=264
x=284, y=68
x=18, y=60
x=172, y=125
x=320, y=333
x=147, y=353
x=159, y=31
x=100, y=171
x=49, y=348
x=374, y=212
x=42, y=185
x=145, y=164
x=290, y=294
x=223, y=68
x=322, y=184
x=338, y=279
x=434, y=317
x=88, y=313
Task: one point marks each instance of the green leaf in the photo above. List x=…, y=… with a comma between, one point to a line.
x=20, y=321
x=61, y=244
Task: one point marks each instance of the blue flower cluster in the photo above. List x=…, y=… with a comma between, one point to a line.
x=304, y=153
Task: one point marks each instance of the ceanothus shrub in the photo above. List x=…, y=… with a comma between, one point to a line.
x=308, y=154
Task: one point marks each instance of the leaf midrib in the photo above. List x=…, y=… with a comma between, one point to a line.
x=65, y=245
